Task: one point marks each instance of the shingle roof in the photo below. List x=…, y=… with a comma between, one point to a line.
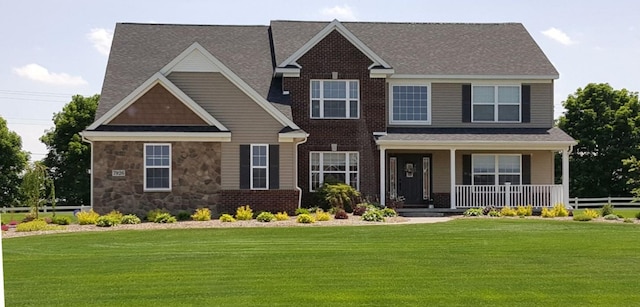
x=433, y=48
x=493, y=135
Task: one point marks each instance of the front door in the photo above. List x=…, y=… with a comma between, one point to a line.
x=413, y=173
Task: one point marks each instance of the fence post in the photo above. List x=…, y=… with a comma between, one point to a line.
x=609, y=199
x=575, y=200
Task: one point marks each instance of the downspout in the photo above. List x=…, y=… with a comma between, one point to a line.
x=295, y=172
x=91, y=170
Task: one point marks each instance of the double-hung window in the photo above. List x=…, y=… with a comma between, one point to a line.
x=334, y=166
x=259, y=166
x=499, y=103
x=410, y=104
x=335, y=99
x=157, y=167
x=496, y=169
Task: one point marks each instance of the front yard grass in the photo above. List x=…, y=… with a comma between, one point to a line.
x=475, y=262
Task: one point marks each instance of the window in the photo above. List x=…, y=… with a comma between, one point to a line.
x=410, y=104
x=334, y=166
x=496, y=103
x=157, y=167
x=259, y=166
x=334, y=99
x=496, y=169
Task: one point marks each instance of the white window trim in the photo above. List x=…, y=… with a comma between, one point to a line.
x=497, y=172
x=495, y=103
x=320, y=172
x=144, y=173
x=348, y=99
x=409, y=122
x=252, y=167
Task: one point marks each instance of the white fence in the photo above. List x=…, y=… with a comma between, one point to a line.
x=577, y=203
x=471, y=196
x=45, y=208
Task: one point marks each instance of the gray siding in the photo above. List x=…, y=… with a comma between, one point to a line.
x=446, y=107
x=249, y=123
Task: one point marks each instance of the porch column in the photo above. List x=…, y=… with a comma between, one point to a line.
x=565, y=177
x=452, y=169
x=383, y=197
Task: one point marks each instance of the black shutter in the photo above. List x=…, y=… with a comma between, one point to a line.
x=526, y=169
x=245, y=166
x=274, y=167
x=526, y=103
x=466, y=103
x=466, y=169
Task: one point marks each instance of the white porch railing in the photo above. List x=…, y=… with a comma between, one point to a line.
x=472, y=196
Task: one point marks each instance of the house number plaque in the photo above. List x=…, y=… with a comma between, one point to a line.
x=118, y=173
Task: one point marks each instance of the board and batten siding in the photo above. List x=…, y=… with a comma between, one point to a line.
x=446, y=107
x=248, y=122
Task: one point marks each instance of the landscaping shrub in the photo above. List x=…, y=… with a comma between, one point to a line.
x=244, y=213
x=341, y=215
x=638, y=215
x=314, y=209
x=165, y=218
x=627, y=220
x=302, y=211
x=560, y=210
x=184, y=216
x=108, y=220
x=494, y=213
x=524, y=211
x=473, y=212
x=61, y=220
x=389, y=212
x=151, y=215
x=282, y=216
x=87, y=217
x=322, y=216
x=582, y=217
x=36, y=225
x=592, y=213
x=508, y=211
x=265, y=217
x=487, y=209
x=611, y=217
x=4, y=227
x=29, y=217
x=360, y=209
x=607, y=209
x=47, y=220
x=202, y=214
x=340, y=195
x=130, y=219
x=546, y=212
x=373, y=215
x=305, y=219
x=227, y=218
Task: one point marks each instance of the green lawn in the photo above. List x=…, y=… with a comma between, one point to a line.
x=474, y=262
x=625, y=212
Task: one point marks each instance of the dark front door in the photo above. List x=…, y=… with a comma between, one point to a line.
x=410, y=178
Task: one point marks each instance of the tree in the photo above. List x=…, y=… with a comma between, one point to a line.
x=606, y=124
x=69, y=157
x=12, y=161
x=34, y=186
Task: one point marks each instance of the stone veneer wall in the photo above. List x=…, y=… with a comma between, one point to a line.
x=195, y=182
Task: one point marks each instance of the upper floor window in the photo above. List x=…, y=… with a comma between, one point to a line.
x=410, y=104
x=259, y=166
x=496, y=103
x=335, y=99
x=496, y=169
x=157, y=167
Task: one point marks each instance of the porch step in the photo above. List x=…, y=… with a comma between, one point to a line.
x=419, y=212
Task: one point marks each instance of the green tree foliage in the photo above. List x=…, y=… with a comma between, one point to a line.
x=34, y=186
x=12, y=161
x=606, y=124
x=69, y=157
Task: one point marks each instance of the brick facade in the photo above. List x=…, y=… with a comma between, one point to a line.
x=259, y=200
x=336, y=54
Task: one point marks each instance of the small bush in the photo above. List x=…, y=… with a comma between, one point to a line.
x=87, y=217
x=389, y=212
x=282, y=216
x=546, y=212
x=627, y=220
x=341, y=215
x=582, y=217
x=61, y=220
x=165, y=218
x=244, y=213
x=151, y=215
x=360, y=209
x=130, y=219
x=322, y=216
x=36, y=225
x=47, y=220
x=560, y=210
x=592, y=213
x=314, y=209
x=227, y=218
x=524, y=211
x=202, y=214
x=184, y=216
x=494, y=213
x=29, y=217
x=508, y=211
x=302, y=211
x=487, y=209
x=305, y=219
x=108, y=220
x=607, y=209
x=473, y=212
x=611, y=217
x=373, y=215
x=4, y=227
x=265, y=217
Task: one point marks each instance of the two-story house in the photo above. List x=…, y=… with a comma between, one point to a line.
x=444, y=115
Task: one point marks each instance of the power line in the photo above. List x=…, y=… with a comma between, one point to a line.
x=30, y=99
x=9, y=92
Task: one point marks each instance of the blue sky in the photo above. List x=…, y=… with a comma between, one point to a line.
x=52, y=50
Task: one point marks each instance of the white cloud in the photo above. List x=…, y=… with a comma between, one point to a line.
x=342, y=13
x=101, y=39
x=558, y=36
x=38, y=73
